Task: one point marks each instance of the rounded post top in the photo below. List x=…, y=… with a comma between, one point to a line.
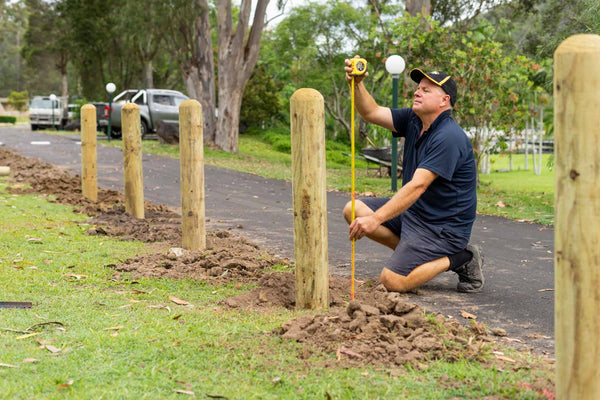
x=190, y=104
x=88, y=107
x=581, y=43
x=307, y=94
x=131, y=107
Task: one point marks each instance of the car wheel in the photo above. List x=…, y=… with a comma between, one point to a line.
x=143, y=128
x=115, y=134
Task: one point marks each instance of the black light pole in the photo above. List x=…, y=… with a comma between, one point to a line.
x=110, y=88
x=394, y=65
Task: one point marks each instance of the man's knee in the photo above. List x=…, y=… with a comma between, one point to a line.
x=347, y=211
x=394, y=282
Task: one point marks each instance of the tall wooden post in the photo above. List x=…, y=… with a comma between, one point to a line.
x=577, y=209
x=132, y=160
x=191, y=149
x=89, y=174
x=310, y=199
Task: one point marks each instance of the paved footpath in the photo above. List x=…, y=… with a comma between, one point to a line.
x=519, y=260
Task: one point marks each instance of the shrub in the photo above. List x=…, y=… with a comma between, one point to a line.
x=8, y=119
x=18, y=100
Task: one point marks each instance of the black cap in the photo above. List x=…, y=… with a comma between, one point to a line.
x=441, y=79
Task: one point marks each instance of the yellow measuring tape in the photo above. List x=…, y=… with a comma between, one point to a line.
x=352, y=186
x=359, y=67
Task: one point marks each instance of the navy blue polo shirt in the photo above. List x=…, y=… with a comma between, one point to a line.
x=450, y=202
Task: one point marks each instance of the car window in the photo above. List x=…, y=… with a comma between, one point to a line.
x=179, y=100
x=162, y=99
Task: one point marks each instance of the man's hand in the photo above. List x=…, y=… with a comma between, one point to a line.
x=348, y=69
x=363, y=226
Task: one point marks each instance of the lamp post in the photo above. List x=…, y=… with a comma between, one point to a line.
x=110, y=89
x=52, y=100
x=395, y=65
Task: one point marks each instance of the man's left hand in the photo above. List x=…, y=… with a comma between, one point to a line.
x=363, y=226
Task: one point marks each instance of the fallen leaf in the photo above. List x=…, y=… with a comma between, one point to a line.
x=136, y=291
x=29, y=360
x=498, y=331
x=504, y=358
x=501, y=204
x=26, y=336
x=126, y=306
x=65, y=385
x=468, y=315
x=179, y=301
x=177, y=316
x=546, y=290
x=276, y=379
x=188, y=392
x=34, y=240
x=76, y=276
x=537, y=336
x=344, y=350
x=8, y=365
x=52, y=349
x=114, y=328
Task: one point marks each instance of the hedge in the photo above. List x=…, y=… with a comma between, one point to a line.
x=8, y=118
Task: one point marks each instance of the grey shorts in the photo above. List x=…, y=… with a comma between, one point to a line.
x=419, y=243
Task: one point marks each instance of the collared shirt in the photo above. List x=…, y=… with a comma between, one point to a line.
x=450, y=202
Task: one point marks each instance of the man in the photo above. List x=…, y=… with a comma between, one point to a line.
x=428, y=221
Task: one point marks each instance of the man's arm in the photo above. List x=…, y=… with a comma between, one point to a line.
x=401, y=202
x=368, y=109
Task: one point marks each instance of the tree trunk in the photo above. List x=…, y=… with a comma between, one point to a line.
x=238, y=53
x=199, y=71
x=526, y=147
x=148, y=78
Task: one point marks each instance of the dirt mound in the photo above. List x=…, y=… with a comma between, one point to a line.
x=279, y=290
x=159, y=225
x=226, y=257
x=48, y=179
x=378, y=327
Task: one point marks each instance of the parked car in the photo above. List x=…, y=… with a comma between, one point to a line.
x=43, y=113
x=156, y=105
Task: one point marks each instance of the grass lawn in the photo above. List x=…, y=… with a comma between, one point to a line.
x=89, y=336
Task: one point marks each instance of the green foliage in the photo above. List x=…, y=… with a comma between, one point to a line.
x=260, y=103
x=13, y=21
x=18, y=100
x=8, y=119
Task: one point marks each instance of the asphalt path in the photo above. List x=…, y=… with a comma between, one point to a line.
x=519, y=257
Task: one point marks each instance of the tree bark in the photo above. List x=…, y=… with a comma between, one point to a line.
x=237, y=56
x=148, y=78
x=198, y=70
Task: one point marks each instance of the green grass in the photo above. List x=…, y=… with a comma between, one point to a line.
x=47, y=259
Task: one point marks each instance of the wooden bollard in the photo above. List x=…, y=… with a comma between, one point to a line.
x=89, y=169
x=310, y=199
x=191, y=150
x=132, y=160
x=4, y=170
x=577, y=210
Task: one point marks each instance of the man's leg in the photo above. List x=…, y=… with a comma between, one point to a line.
x=423, y=273
x=381, y=235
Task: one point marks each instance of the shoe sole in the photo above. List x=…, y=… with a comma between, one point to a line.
x=474, y=248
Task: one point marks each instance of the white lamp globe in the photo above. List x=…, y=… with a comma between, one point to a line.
x=111, y=87
x=395, y=64
x=52, y=97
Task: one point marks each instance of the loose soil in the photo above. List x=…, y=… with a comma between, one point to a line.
x=377, y=328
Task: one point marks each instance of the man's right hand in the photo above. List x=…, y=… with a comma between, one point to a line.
x=348, y=69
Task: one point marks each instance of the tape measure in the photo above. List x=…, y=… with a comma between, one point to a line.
x=359, y=67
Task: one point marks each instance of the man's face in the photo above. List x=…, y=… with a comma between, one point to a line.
x=429, y=98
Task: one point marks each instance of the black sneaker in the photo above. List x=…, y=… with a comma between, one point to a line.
x=470, y=275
